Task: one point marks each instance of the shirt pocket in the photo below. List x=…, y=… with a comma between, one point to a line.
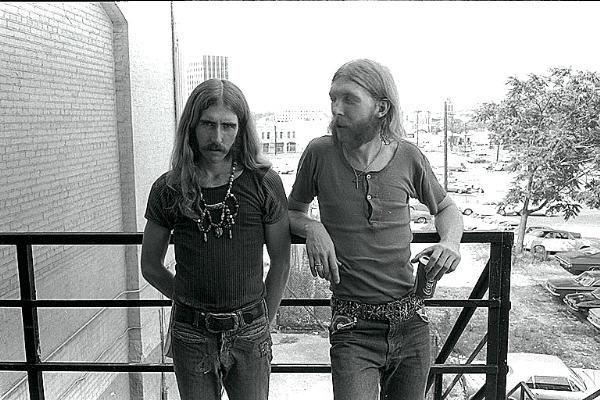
x=390, y=205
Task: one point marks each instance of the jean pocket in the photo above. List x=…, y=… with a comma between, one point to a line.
x=422, y=314
x=341, y=323
x=191, y=350
x=255, y=338
x=186, y=333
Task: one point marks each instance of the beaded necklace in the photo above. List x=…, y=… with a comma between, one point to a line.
x=229, y=209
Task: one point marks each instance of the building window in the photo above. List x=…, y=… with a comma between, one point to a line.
x=278, y=147
x=262, y=135
x=291, y=147
x=265, y=147
x=294, y=134
x=268, y=135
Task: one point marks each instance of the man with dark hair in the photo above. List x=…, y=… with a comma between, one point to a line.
x=363, y=176
x=222, y=202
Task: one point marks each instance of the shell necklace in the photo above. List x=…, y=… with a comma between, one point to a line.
x=229, y=209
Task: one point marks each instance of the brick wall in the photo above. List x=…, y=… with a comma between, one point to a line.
x=60, y=163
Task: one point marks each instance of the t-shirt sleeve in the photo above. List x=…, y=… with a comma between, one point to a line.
x=428, y=189
x=275, y=206
x=160, y=204
x=305, y=188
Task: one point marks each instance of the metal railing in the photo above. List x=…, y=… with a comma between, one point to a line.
x=525, y=392
x=495, y=279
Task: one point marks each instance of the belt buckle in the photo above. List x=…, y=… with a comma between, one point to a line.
x=211, y=320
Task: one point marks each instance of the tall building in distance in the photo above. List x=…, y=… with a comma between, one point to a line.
x=207, y=67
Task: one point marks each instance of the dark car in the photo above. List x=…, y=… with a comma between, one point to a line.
x=583, y=302
x=419, y=213
x=586, y=282
x=580, y=261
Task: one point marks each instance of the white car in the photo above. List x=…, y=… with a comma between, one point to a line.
x=594, y=317
x=549, y=377
x=551, y=241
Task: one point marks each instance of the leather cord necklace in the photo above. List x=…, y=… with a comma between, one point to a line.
x=358, y=173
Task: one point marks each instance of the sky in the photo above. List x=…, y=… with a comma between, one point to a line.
x=283, y=54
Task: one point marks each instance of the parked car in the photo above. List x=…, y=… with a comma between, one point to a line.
x=549, y=377
x=284, y=168
x=486, y=208
x=576, y=262
x=461, y=167
x=583, y=302
x=460, y=187
x=586, y=282
x=594, y=317
x=478, y=158
x=464, y=209
x=419, y=213
x=544, y=242
x=500, y=166
x=536, y=227
x=508, y=225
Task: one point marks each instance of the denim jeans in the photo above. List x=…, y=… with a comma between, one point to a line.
x=237, y=360
x=379, y=358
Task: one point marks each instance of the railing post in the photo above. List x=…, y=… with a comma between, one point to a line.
x=437, y=387
x=499, y=289
x=30, y=321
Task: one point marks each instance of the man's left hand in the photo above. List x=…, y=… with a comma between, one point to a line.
x=443, y=258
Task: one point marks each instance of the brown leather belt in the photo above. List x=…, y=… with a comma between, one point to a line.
x=218, y=322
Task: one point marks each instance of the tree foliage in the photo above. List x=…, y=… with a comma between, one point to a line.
x=550, y=124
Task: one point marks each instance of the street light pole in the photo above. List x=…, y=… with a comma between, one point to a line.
x=275, y=126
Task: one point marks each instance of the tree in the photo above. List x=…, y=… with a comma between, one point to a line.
x=550, y=124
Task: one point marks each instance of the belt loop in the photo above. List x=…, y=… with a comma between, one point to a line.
x=197, y=315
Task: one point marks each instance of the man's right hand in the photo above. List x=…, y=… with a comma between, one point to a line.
x=321, y=253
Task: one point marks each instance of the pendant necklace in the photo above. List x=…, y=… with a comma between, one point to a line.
x=358, y=173
x=229, y=209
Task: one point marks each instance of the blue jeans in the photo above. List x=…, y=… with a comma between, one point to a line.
x=379, y=358
x=238, y=360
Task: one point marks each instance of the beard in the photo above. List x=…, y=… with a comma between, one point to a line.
x=358, y=133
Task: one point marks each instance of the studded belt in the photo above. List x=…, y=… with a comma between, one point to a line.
x=394, y=311
x=218, y=322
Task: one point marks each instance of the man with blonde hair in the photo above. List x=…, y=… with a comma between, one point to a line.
x=363, y=175
x=222, y=202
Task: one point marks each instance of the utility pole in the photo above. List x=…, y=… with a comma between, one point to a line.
x=418, y=111
x=445, y=146
x=275, y=126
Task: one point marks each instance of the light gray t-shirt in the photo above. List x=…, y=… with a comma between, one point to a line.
x=369, y=226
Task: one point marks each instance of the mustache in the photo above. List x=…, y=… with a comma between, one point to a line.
x=214, y=147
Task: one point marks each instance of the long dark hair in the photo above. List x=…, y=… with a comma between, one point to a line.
x=246, y=149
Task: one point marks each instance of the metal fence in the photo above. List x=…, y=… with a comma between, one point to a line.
x=495, y=279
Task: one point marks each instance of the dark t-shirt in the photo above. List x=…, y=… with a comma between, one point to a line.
x=221, y=274
x=369, y=226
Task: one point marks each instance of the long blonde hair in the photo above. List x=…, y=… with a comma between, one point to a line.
x=379, y=82
x=246, y=149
